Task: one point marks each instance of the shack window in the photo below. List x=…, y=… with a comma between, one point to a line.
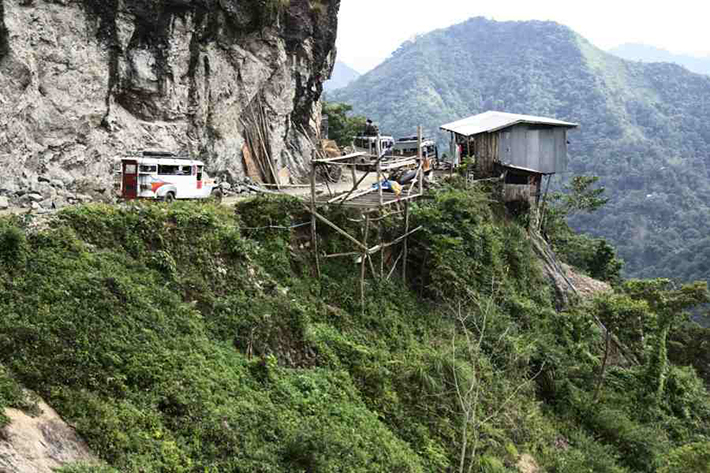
x=514, y=178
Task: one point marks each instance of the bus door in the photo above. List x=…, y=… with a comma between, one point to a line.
x=199, y=177
x=130, y=179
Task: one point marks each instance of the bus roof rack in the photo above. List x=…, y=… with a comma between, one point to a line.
x=157, y=153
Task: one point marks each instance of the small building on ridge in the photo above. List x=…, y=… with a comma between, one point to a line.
x=523, y=147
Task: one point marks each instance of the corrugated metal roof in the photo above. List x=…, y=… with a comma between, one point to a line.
x=491, y=121
x=521, y=168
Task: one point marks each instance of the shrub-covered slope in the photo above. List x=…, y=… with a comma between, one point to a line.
x=193, y=338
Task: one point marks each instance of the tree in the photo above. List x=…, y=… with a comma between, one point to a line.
x=669, y=304
x=580, y=196
x=341, y=127
x=594, y=256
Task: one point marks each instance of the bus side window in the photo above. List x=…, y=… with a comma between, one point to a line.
x=167, y=170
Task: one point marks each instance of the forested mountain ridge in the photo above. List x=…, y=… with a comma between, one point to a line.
x=645, y=128
x=646, y=53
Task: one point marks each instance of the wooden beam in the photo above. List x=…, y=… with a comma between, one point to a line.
x=394, y=266
x=380, y=247
x=314, y=235
x=337, y=229
x=344, y=197
x=362, y=265
x=406, y=242
x=362, y=178
x=340, y=158
x=352, y=171
x=339, y=255
x=399, y=164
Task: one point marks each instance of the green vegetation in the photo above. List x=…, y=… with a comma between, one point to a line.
x=12, y=395
x=192, y=337
x=342, y=127
x=644, y=127
x=593, y=256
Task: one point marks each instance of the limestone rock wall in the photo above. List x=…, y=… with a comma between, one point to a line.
x=84, y=81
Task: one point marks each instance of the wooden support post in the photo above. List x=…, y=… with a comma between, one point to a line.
x=382, y=252
x=421, y=162
x=406, y=242
x=378, y=147
x=454, y=150
x=314, y=235
x=327, y=186
x=352, y=170
x=362, y=264
x=337, y=229
x=541, y=210
x=394, y=266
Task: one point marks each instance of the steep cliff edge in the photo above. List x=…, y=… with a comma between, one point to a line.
x=84, y=81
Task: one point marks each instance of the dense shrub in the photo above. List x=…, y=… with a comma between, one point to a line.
x=195, y=338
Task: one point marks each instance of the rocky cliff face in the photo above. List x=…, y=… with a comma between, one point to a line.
x=84, y=81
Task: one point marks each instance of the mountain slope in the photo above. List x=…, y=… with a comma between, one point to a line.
x=645, y=128
x=646, y=53
x=341, y=77
x=199, y=338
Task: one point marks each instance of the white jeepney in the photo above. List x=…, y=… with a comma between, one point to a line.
x=165, y=176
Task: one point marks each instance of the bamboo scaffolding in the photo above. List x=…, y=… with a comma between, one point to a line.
x=345, y=198
x=337, y=229
x=406, y=241
x=362, y=267
x=314, y=235
x=368, y=200
x=340, y=255
x=394, y=266
x=380, y=247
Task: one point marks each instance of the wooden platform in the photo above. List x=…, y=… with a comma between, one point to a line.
x=371, y=199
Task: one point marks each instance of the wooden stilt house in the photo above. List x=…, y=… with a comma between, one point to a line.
x=523, y=147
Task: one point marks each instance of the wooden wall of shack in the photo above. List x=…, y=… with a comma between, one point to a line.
x=539, y=148
x=485, y=149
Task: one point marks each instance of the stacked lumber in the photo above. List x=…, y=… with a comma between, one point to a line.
x=258, y=160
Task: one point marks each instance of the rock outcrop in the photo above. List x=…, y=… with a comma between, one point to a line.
x=39, y=444
x=84, y=81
